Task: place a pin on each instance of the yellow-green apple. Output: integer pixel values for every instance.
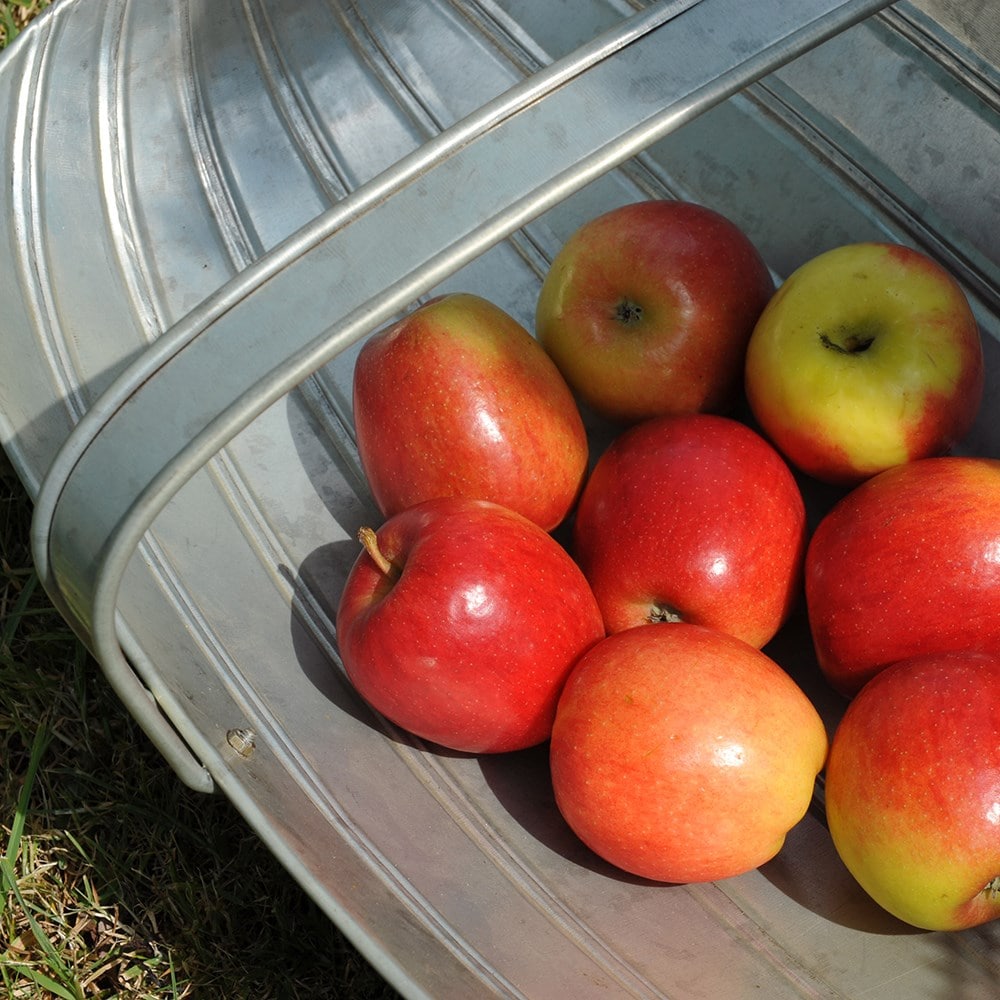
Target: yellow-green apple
(913, 790)
(868, 356)
(692, 518)
(906, 564)
(460, 621)
(683, 754)
(647, 309)
(458, 399)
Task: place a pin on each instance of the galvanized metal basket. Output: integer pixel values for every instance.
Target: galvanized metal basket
(210, 202)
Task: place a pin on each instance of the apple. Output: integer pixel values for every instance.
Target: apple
(906, 564)
(867, 357)
(683, 754)
(458, 399)
(913, 790)
(460, 621)
(647, 309)
(692, 518)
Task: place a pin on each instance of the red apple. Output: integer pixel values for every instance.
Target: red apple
(461, 620)
(906, 564)
(692, 518)
(868, 356)
(913, 790)
(648, 308)
(458, 399)
(683, 754)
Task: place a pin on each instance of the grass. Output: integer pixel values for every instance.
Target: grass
(115, 879)
(15, 14)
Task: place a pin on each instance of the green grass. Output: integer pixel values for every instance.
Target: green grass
(15, 14)
(115, 879)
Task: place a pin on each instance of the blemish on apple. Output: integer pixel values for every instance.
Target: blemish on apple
(733, 755)
(476, 601)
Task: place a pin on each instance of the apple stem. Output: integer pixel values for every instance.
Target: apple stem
(369, 540)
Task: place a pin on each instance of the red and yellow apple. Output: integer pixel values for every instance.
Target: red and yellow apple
(913, 790)
(682, 754)
(692, 518)
(460, 621)
(647, 309)
(906, 564)
(867, 357)
(458, 399)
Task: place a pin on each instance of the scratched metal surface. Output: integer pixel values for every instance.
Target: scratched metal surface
(153, 159)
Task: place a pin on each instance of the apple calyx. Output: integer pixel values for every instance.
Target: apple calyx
(369, 540)
(628, 313)
(992, 890)
(660, 613)
(848, 343)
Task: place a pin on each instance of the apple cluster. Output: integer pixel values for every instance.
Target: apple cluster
(528, 585)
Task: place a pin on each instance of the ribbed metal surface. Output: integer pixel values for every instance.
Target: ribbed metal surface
(157, 156)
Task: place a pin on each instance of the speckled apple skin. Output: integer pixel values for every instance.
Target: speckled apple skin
(697, 513)
(906, 564)
(914, 391)
(470, 645)
(647, 309)
(913, 790)
(458, 399)
(682, 754)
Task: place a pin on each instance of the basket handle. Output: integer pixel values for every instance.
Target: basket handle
(211, 374)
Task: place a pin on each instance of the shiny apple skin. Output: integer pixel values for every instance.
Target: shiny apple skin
(909, 384)
(697, 514)
(458, 399)
(906, 564)
(647, 309)
(913, 790)
(682, 754)
(470, 645)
